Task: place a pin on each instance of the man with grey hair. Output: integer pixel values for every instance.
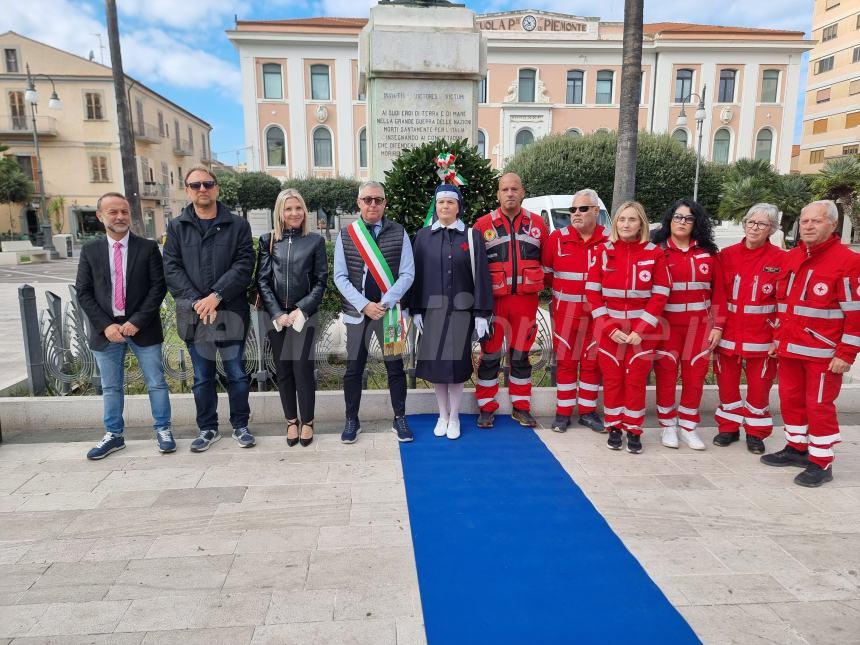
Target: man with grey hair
(373, 270)
(567, 256)
(817, 340)
(751, 269)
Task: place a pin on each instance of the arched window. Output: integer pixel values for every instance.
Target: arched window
(322, 148)
(574, 87)
(722, 142)
(526, 86)
(273, 88)
(680, 135)
(275, 147)
(727, 85)
(604, 87)
(524, 138)
(482, 144)
(764, 144)
(362, 148)
(683, 85)
(573, 132)
(320, 87)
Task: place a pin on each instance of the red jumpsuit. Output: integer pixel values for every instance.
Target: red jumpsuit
(627, 289)
(749, 278)
(695, 306)
(818, 297)
(514, 257)
(569, 257)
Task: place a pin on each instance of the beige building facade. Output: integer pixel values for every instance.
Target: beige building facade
(546, 73)
(831, 116)
(79, 143)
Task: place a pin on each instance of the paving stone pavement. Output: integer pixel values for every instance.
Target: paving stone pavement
(313, 545)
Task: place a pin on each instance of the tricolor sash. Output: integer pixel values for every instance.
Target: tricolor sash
(394, 331)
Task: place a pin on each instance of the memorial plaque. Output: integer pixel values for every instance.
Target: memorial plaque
(409, 112)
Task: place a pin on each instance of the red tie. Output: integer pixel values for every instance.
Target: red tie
(118, 286)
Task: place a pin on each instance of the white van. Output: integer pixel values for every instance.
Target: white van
(555, 210)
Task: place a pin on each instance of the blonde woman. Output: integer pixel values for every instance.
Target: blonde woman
(627, 289)
(291, 277)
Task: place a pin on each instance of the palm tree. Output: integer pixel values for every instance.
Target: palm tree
(839, 180)
(740, 194)
(628, 115)
(751, 168)
(790, 194)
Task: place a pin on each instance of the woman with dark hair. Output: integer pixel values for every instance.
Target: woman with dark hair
(291, 277)
(694, 316)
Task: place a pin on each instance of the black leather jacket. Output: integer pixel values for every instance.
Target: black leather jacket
(295, 273)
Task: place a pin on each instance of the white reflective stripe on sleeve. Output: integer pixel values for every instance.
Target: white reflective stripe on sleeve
(826, 440)
(566, 297)
(755, 347)
(690, 411)
(732, 307)
(547, 270)
(848, 339)
(663, 291)
(763, 422)
(728, 415)
(484, 401)
(519, 381)
(815, 451)
(515, 397)
(759, 309)
(597, 313)
(850, 306)
(566, 387)
(487, 382)
(569, 275)
(589, 386)
(593, 286)
(727, 344)
(815, 312)
(648, 318)
(814, 352)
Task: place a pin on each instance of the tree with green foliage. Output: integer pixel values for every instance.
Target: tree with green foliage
(57, 211)
(15, 187)
(257, 190)
(665, 169)
(742, 168)
(740, 194)
(790, 194)
(228, 188)
(412, 181)
(839, 180)
(328, 193)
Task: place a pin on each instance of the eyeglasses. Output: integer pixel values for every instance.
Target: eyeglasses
(377, 201)
(196, 185)
(683, 219)
(581, 209)
(759, 226)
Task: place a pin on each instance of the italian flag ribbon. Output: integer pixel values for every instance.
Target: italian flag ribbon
(448, 174)
(394, 331)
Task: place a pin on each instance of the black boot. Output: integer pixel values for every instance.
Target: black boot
(814, 476)
(560, 423)
(614, 442)
(724, 439)
(486, 419)
(788, 456)
(634, 443)
(755, 445)
(524, 418)
(592, 420)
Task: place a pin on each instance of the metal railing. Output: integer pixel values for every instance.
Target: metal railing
(182, 148)
(147, 132)
(16, 124)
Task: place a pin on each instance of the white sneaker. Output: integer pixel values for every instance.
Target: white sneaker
(691, 438)
(454, 429)
(670, 437)
(441, 427)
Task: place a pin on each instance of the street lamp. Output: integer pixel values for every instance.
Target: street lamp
(32, 97)
(700, 119)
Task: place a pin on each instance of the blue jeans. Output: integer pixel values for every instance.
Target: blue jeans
(111, 362)
(204, 388)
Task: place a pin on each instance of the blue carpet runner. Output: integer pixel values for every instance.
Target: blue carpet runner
(509, 549)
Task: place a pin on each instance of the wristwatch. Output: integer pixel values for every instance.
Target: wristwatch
(218, 296)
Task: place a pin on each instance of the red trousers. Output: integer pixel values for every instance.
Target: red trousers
(807, 395)
(685, 349)
(577, 374)
(625, 370)
(754, 412)
(514, 323)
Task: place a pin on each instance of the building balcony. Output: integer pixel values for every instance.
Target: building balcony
(182, 148)
(152, 190)
(21, 127)
(147, 133)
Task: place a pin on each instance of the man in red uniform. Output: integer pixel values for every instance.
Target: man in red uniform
(817, 340)
(567, 257)
(513, 237)
(750, 269)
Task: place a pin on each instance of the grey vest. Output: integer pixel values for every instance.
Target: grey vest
(390, 242)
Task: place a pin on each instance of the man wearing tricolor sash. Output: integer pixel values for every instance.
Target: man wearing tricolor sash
(373, 270)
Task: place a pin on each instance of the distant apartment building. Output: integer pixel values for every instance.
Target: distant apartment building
(79, 142)
(546, 73)
(831, 118)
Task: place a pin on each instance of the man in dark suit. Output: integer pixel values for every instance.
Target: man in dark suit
(120, 286)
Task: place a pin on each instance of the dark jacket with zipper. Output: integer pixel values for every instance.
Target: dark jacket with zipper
(294, 274)
(219, 260)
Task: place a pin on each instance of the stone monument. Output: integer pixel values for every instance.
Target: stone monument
(421, 64)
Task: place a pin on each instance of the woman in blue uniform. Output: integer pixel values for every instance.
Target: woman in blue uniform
(451, 297)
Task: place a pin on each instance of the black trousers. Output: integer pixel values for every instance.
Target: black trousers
(294, 360)
(358, 338)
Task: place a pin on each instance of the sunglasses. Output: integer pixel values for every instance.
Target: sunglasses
(581, 209)
(196, 185)
(683, 219)
(377, 201)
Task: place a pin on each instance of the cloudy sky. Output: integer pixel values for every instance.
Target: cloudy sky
(180, 50)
